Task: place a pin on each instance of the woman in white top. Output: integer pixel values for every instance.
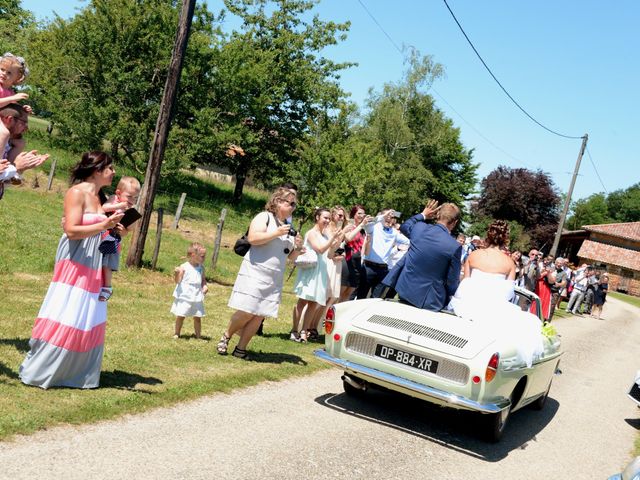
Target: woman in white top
(334, 269)
(258, 288)
(311, 283)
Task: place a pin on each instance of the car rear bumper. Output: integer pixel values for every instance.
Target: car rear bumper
(415, 389)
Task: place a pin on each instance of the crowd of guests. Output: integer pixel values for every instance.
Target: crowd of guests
(345, 255)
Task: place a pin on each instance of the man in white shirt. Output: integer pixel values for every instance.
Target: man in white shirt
(383, 238)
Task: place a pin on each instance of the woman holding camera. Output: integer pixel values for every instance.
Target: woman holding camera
(334, 269)
(311, 285)
(258, 288)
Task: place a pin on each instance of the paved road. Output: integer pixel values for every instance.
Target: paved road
(307, 428)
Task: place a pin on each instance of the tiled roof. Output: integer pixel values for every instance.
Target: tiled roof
(610, 254)
(630, 231)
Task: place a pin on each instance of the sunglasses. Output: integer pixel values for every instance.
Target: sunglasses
(291, 204)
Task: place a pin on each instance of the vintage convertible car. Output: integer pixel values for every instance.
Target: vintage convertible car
(438, 357)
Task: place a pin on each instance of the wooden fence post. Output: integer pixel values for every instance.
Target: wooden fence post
(179, 211)
(156, 250)
(51, 173)
(216, 247)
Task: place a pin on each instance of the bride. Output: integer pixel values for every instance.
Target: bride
(485, 293)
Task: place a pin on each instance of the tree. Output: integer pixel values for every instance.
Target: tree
(590, 211)
(16, 23)
(269, 82)
(624, 205)
(424, 154)
(101, 73)
(518, 194)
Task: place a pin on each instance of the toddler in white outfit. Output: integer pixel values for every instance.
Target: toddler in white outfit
(190, 289)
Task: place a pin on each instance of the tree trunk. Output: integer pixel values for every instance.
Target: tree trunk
(152, 176)
(237, 192)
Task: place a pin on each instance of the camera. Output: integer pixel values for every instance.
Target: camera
(292, 232)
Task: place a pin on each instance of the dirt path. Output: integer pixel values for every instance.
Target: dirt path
(307, 428)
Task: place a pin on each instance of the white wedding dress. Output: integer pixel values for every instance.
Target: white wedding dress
(485, 299)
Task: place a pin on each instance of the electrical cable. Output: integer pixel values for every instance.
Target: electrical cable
(597, 174)
(498, 82)
(439, 95)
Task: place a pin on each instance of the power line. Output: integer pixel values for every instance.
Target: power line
(500, 84)
(480, 133)
(380, 27)
(437, 93)
(594, 167)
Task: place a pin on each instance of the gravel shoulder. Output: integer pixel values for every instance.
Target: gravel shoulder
(307, 428)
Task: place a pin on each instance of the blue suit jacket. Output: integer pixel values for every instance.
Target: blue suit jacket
(429, 274)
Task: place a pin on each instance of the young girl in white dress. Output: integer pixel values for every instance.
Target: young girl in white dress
(190, 290)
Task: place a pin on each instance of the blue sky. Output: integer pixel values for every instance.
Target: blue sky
(573, 65)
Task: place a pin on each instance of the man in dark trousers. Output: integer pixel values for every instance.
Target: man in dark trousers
(429, 274)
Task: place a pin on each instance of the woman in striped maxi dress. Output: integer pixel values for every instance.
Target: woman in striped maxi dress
(67, 340)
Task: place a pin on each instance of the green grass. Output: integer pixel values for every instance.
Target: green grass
(631, 300)
(143, 366)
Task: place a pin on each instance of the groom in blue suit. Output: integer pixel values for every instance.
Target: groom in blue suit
(429, 274)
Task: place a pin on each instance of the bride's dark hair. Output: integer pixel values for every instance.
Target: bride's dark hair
(498, 234)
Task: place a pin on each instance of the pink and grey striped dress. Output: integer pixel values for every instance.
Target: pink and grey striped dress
(67, 341)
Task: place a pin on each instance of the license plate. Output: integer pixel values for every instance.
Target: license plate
(406, 358)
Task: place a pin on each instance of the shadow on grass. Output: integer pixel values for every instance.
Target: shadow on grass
(274, 357)
(21, 344)
(126, 381)
(7, 372)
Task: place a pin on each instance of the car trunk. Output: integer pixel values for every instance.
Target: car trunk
(436, 331)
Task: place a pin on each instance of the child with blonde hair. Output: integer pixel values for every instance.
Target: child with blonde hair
(13, 71)
(190, 290)
(125, 196)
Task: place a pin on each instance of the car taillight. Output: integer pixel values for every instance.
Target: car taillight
(329, 320)
(492, 367)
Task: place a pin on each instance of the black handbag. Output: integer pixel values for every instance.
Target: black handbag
(242, 245)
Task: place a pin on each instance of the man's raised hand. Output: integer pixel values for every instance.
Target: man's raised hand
(430, 209)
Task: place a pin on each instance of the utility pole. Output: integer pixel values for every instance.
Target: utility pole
(152, 175)
(565, 210)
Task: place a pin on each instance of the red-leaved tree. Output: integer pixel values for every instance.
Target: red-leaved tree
(521, 195)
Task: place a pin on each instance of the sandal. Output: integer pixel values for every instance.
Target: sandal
(303, 336)
(240, 353)
(312, 334)
(294, 336)
(105, 294)
(223, 344)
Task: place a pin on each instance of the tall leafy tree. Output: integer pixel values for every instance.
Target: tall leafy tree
(269, 81)
(424, 155)
(101, 73)
(521, 195)
(15, 24)
(589, 211)
(624, 205)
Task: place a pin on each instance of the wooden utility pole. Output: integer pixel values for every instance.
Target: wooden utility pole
(563, 218)
(152, 176)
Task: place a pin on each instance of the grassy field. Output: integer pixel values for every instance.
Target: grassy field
(143, 366)
(635, 301)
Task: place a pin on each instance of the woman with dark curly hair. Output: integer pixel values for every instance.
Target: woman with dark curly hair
(484, 295)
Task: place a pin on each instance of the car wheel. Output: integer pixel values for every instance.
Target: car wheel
(349, 389)
(539, 403)
(496, 423)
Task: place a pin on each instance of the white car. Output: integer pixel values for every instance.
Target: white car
(438, 357)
